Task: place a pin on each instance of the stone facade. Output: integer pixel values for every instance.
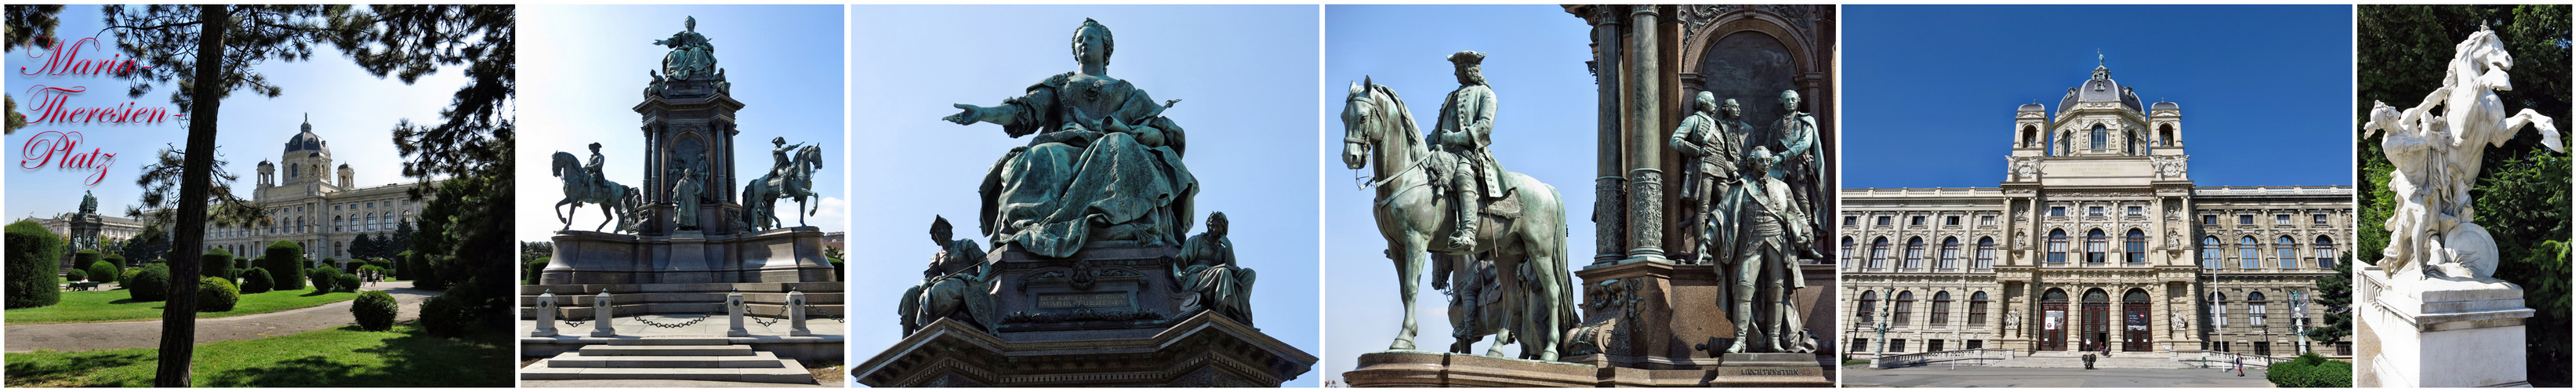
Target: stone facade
(316, 204)
(2097, 236)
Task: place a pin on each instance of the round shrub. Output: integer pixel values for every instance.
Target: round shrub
(216, 294)
(536, 267)
(126, 277)
(103, 271)
(85, 257)
(285, 262)
(76, 276)
(445, 315)
(33, 254)
(375, 310)
(322, 278)
(256, 280)
(216, 262)
(348, 283)
(116, 259)
(2310, 371)
(151, 283)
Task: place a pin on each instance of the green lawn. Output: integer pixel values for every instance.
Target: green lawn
(105, 306)
(338, 357)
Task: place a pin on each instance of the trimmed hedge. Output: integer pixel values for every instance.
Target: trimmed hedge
(151, 284)
(32, 279)
(217, 262)
(284, 261)
(2310, 371)
(256, 280)
(348, 283)
(126, 277)
(82, 259)
(216, 294)
(536, 267)
(103, 272)
(446, 315)
(76, 276)
(322, 278)
(118, 259)
(375, 310)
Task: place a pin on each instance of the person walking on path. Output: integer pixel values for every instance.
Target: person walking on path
(2240, 366)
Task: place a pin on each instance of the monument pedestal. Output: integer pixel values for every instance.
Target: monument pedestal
(1109, 315)
(1205, 350)
(2441, 333)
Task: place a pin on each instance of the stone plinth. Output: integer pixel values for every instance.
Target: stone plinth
(788, 255)
(1205, 350)
(2440, 333)
(1432, 369)
(1770, 370)
(1676, 316)
(1110, 289)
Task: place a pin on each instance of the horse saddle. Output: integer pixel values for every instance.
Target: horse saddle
(1507, 207)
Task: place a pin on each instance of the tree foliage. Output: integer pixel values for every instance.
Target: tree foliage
(2522, 194)
(29, 25)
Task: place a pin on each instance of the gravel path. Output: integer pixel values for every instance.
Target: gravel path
(147, 334)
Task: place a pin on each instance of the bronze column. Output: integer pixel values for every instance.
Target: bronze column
(1644, 150)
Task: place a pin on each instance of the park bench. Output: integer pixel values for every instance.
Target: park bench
(84, 286)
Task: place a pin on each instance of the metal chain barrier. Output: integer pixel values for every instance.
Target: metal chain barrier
(682, 324)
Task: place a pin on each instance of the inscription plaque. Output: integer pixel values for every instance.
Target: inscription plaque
(1085, 300)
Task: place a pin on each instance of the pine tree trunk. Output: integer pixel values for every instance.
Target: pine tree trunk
(179, 314)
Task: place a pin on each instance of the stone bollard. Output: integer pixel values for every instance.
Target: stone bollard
(545, 315)
(733, 309)
(602, 314)
(796, 314)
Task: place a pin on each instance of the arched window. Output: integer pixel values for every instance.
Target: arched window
(1868, 307)
(2101, 139)
(1878, 253)
(339, 249)
(2325, 252)
(1914, 253)
(1950, 253)
(2137, 247)
(1985, 253)
(2097, 247)
(1977, 310)
(2029, 136)
(1941, 309)
(2218, 310)
(2255, 309)
(2166, 133)
(336, 224)
(2246, 256)
(1848, 253)
(1904, 310)
(2056, 246)
(2209, 252)
(2289, 252)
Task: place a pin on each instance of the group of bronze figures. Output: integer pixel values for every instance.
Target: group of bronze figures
(1495, 240)
(1103, 167)
(790, 176)
(1750, 205)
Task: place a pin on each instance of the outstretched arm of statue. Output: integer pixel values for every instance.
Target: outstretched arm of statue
(971, 114)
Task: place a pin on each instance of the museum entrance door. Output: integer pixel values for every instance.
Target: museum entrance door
(2135, 322)
(2097, 320)
(2052, 325)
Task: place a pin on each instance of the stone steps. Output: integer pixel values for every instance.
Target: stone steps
(665, 350)
(672, 358)
(577, 359)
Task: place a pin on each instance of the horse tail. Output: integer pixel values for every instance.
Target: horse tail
(1564, 311)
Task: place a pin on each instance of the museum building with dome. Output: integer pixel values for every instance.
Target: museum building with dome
(2096, 240)
(316, 204)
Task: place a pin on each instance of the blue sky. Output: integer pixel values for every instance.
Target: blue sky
(1930, 91)
(586, 66)
(1544, 127)
(1247, 78)
(351, 109)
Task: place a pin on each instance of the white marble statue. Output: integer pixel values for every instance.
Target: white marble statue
(2433, 234)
